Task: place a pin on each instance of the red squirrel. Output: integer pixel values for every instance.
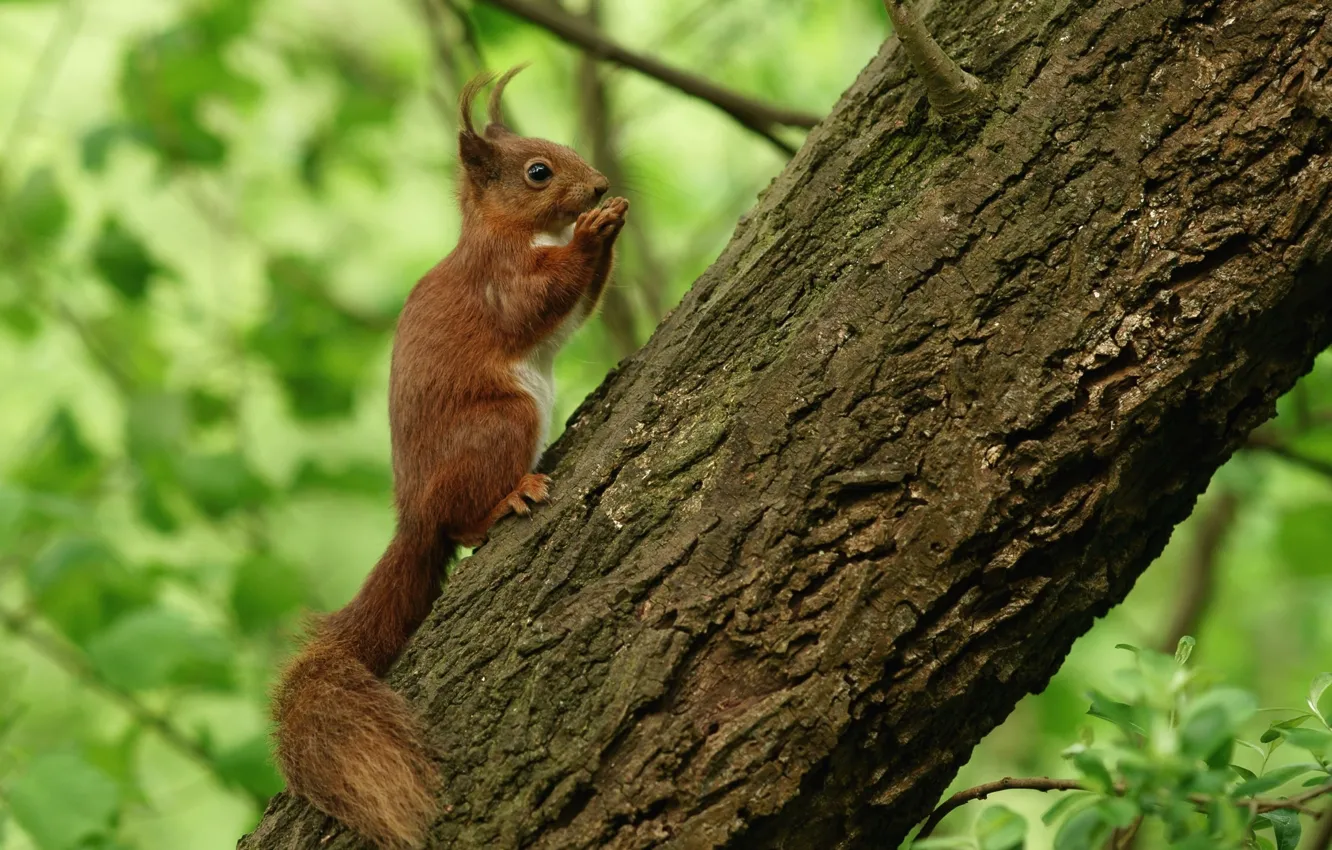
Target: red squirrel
(470, 400)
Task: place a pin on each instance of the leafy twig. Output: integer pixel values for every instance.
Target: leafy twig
(1259, 805)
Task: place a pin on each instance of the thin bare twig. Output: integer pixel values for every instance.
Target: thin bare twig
(470, 39)
(756, 115)
(447, 42)
(980, 792)
(444, 63)
(1277, 447)
(1200, 569)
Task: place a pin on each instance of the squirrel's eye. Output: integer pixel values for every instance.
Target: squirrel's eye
(538, 173)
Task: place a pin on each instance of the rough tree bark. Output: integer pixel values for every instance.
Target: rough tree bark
(935, 408)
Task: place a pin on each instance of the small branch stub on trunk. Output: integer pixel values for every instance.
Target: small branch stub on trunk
(951, 90)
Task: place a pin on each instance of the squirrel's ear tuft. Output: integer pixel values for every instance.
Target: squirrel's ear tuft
(494, 110)
(465, 99)
(475, 151)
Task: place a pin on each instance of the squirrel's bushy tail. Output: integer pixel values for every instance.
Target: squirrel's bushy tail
(345, 740)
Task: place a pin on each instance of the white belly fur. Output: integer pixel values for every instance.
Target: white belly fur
(535, 373)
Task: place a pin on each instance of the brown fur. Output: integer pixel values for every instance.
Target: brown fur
(465, 431)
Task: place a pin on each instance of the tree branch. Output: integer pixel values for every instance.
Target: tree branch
(980, 792)
(951, 90)
(436, 27)
(1279, 448)
(756, 115)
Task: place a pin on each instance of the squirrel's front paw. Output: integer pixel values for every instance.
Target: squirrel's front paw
(604, 222)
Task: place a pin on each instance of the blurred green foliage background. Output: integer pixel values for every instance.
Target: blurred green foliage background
(211, 213)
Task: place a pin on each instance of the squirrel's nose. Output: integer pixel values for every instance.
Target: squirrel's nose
(600, 187)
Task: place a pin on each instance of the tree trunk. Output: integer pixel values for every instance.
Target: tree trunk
(936, 407)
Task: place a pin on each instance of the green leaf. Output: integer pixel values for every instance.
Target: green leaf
(1000, 828)
(352, 478)
(1212, 718)
(1316, 691)
(1285, 828)
(154, 506)
(209, 408)
(155, 647)
(167, 80)
(80, 584)
(1118, 811)
(948, 842)
(1271, 779)
(265, 591)
(155, 425)
(248, 766)
(1121, 714)
(63, 802)
(1094, 769)
(95, 147)
(23, 321)
(1219, 759)
(319, 352)
(38, 211)
(221, 483)
(122, 260)
(1071, 802)
(130, 339)
(116, 757)
(1274, 731)
(61, 461)
(1316, 741)
(1184, 649)
(1086, 830)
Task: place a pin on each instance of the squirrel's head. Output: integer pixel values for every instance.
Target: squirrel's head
(518, 181)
